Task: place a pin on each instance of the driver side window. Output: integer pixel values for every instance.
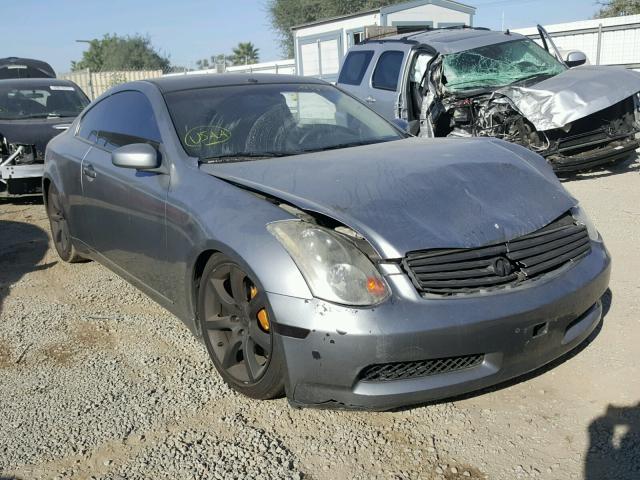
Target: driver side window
(120, 119)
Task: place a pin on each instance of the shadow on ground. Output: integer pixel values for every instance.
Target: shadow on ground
(22, 247)
(614, 445)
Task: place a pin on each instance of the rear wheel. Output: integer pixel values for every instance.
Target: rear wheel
(235, 323)
(60, 228)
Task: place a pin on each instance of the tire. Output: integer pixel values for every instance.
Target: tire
(228, 305)
(60, 232)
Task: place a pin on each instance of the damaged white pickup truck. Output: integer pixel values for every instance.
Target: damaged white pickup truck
(468, 82)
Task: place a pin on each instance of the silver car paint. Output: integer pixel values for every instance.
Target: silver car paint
(416, 194)
(552, 103)
(575, 93)
(175, 217)
(123, 216)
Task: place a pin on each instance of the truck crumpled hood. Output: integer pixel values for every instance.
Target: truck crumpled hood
(415, 194)
(573, 94)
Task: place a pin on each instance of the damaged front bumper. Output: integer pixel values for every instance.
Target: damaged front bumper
(20, 171)
(592, 155)
(412, 349)
(575, 120)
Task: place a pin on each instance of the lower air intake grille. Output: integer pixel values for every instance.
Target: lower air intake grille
(500, 265)
(420, 368)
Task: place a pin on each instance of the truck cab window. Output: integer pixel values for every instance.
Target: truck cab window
(385, 76)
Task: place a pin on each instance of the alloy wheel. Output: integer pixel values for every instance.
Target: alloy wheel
(236, 322)
(59, 225)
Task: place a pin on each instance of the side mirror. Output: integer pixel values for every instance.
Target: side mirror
(140, 156)
(575, 58)
(402, 124)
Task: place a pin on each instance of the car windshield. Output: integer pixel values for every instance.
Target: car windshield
(234, 123)
(498, 65)
(42, 101)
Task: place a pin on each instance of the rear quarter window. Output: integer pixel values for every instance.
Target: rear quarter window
(355, 66)
(385, 76)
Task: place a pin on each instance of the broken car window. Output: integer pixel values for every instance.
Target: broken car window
(498, 65)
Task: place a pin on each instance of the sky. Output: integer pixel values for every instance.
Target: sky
(187, 30)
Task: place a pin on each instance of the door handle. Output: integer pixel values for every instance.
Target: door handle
(370, 99)
(88, 170)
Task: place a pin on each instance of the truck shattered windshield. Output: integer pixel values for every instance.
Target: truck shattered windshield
(498, 65)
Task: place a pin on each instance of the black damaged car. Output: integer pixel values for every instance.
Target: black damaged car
(32, 112)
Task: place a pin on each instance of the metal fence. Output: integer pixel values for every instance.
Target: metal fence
(95, 84)
(605, 41)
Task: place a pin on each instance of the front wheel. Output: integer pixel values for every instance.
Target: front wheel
(237, 331)
(60, 232)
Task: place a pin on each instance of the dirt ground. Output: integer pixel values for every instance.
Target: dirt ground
(96, 381)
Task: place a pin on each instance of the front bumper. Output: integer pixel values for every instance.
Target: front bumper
(600, 155)
(18, 180)
(327, 347)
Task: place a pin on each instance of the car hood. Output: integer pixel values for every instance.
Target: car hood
(36, 131)
(573, 94)
(415, 194)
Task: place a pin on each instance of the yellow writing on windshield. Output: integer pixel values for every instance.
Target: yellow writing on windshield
(205, 136)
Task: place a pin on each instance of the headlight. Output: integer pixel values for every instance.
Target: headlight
(333, 267)
(581, 216)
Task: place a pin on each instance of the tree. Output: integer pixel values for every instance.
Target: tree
(113, 53)
(245, 54)
(616, 8)
(285, 14)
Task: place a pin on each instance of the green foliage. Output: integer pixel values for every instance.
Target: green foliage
(245, 54)
(285, 14)
(114, 53)
(616, 8)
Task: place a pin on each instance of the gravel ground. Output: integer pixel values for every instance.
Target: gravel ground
(96, 381)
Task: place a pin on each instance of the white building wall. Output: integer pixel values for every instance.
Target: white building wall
(434, 13)
(619, 39)
(344, 24)
(319, 49)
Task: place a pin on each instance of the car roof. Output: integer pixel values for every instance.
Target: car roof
(34, 82)
(35, 68)
(451, 40)
(175, 83)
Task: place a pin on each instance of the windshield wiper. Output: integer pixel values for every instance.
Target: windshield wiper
(342, 145)
(240, 156)
(535, 76)
(42, 115)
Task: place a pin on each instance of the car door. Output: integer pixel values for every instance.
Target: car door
(383, 95)
(549, 45)
(127, 207)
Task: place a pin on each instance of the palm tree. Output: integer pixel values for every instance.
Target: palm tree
(245, 54)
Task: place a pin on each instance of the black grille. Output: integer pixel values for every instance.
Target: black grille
(504, 264)
(420, 368)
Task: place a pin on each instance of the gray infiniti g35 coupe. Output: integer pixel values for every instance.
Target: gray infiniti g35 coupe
(319, 251)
